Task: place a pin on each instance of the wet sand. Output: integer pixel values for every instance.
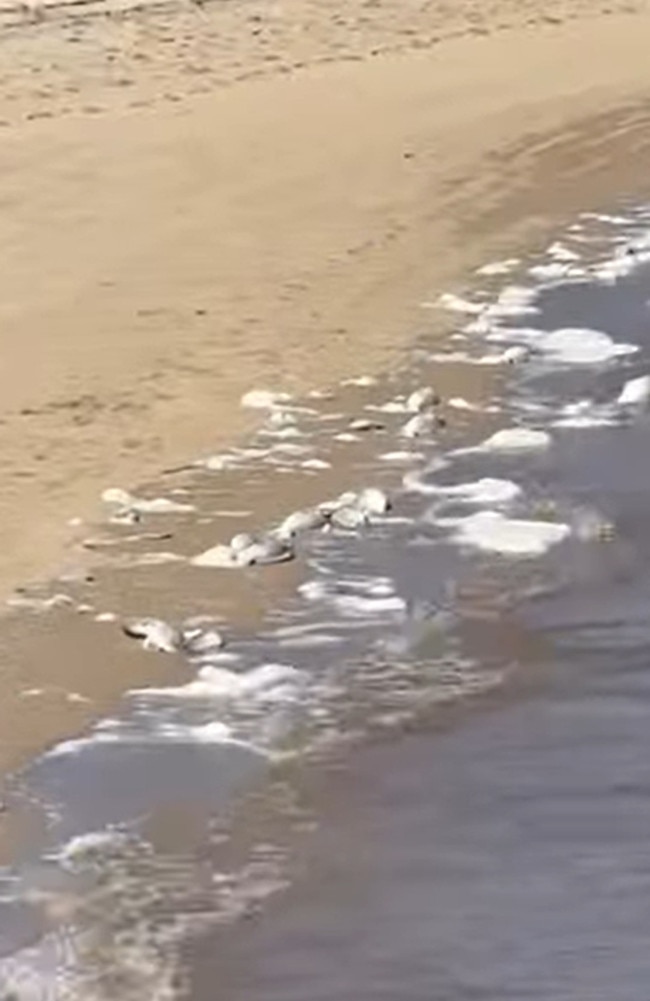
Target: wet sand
(198, 202)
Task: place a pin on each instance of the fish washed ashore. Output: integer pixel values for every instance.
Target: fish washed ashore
(143, 293)
(330, 564)
(402, 595)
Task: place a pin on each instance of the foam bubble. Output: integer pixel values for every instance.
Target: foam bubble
(582, 346)
(499, 267)
(458, 305)
(513, 300)
(401, 457)
(488, 490)
(516, 440)
(635, 392)
(263, 399)
(491, 531)
(561, 252)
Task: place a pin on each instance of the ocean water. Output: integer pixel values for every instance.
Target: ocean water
(422, 773)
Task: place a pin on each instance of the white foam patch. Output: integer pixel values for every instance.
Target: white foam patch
(217, 463)
(397, 406)
(609, 218)
(360, 380)
(263, 399)
(555, 271)
(635, 392)
(412, 481)
(499, 267)
(220, 684)
(458, 305)
(488, 490)
(460, 403)
(83, 848)
(401, 457)
(315, 464)
(111, 734)
(282, 432)
(582, 346)
(491, 531)
(364, 598)
(465, 358)
(516, 440)
(529, 337)
(308, 641)
(560, 252)
(513, 300)
(584, 414)
(156, 559)
(631, 255)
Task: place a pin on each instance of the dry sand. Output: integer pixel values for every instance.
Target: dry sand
(199, 200)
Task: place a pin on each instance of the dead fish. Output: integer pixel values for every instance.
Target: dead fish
(422, 399)
(308, 520)
(120, 540)
(515, 354)
(372, 500)
(241, 541)
(199, 642)
(420, 425)
(125, 516)
(155, 634)
(365, 424)
(128, 508)
(349, 516)
(247, 550)
(355, 510)
(268, 549)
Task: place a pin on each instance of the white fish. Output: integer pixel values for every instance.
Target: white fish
(199, 642)
(241, 541)
(372, 500)
(155, 634)
(422, 399)
(365, 424)
(220, 556)
(420, 425)
(128, 505)
(267, 549)
(160, 505)
(306, 520)
(514, 354)
(349, 516)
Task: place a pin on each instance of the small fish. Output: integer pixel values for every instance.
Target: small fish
(155, 634)
(422, 399)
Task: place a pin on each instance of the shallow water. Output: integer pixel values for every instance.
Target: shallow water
(438, 788)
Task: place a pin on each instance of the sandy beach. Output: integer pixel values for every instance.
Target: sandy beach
(201, 199)
(198, 201)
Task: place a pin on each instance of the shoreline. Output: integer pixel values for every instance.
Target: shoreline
(170, 281)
